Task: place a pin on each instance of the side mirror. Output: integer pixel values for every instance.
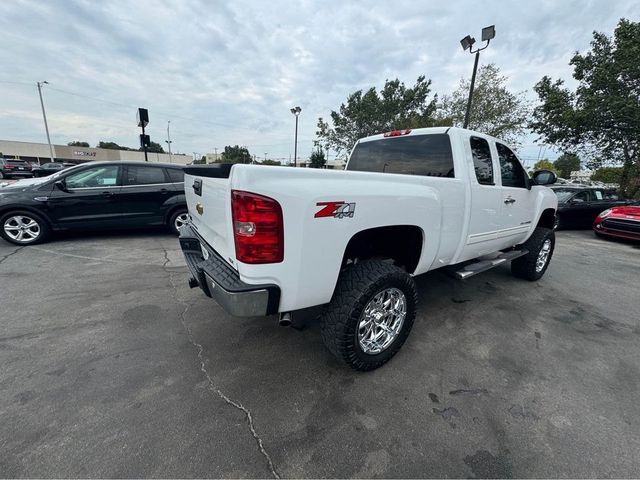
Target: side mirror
(544, 177)
(60, 185)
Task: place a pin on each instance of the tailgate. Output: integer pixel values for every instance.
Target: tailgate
(209, 202)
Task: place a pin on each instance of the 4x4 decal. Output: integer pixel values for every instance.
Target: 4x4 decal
(339, 209)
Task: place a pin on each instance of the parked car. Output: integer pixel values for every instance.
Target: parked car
(10, 168)
(622, 222)
(52, 167)
(578, 206)
(96, 195)
(276, 240)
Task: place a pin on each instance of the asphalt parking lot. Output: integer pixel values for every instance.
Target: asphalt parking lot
(113, 367)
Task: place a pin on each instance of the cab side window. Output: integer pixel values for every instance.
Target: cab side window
(96, 177)
(583, 196)
(513, 175)
(482, 163)
(175, 175)
(144, 175)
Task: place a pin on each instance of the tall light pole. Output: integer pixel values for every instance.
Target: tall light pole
(488, 33)
(168, 141)
(296, 111)
(44, 116)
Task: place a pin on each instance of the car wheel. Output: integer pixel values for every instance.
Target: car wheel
(540, 248)
(1, 175)
(178, 219)
(24, 228)
(370, 315)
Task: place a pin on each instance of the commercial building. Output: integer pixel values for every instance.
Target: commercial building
(39, 153)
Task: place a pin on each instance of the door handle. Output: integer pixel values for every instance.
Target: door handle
(107, 194)
(509, 200)
(164, 191)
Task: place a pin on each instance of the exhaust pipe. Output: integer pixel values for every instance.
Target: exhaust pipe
(285, 320)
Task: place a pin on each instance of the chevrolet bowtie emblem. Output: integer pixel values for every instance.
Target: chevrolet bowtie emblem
(199, 208)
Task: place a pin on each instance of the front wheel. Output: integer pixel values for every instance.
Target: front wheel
(24, 228)
(540, 246)
(370, 315)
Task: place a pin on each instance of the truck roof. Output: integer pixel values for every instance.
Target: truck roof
(424, 131)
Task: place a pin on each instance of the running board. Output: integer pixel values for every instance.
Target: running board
(484, 265)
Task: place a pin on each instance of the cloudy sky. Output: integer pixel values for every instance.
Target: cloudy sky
(228, 72)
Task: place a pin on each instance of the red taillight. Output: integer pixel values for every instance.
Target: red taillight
(257, 228)
(397, 133)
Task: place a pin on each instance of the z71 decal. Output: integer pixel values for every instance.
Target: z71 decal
(339, 209)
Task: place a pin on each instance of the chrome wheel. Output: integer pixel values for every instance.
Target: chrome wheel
(381, 321)
(543, 256)
(181, 220)
(22, 229)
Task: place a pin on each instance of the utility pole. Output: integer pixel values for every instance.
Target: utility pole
(488, 33)
(168, 140)
(265, 156)
(296, 111)
(215, 149)
(44, 116)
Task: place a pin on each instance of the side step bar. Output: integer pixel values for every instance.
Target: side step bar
(484, 265)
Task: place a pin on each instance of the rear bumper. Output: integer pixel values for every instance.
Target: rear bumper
(219, 281)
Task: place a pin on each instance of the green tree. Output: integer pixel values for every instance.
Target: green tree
(200, 161)
(317, 159)
(153, 148)
(235, 154)
(601, 118)
(544, 164)
(494, 109)
(607, 175)
(567, 163)
(111, 146)
(270, 162)
(394, 107)
(79, 144)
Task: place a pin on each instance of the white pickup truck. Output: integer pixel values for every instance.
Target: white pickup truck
(268, 240)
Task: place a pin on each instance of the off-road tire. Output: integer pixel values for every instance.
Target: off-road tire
(525, 266)
(45, 229)
(356, 287)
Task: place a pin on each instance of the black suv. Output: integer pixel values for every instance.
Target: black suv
(49, 168)
(10, 168)
(96, 195)
(578, 205)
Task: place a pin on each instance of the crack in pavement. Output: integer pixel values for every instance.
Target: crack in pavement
(211, 384)
(11, 254)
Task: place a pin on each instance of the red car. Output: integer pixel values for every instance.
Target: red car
(623, 222)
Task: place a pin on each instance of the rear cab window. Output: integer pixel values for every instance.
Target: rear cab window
(482, 163)
(427, 155)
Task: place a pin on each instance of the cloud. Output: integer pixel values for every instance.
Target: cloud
(227, 73)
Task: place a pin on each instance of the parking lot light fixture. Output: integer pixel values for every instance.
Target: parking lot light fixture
(44, 116)
(488, 34)
(296, 111)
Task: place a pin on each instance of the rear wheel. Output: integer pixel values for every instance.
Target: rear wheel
(24, 228)
(178, 219)
(540, 247)
(370, 315)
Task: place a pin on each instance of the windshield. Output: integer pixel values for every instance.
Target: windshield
(428, 155)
